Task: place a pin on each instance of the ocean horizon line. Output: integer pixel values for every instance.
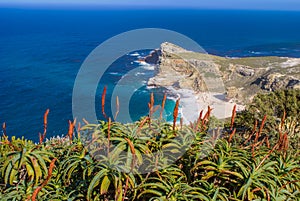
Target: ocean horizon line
(97, 7)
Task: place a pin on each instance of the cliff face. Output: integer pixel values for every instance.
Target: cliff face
(183, 69)
(239, 78)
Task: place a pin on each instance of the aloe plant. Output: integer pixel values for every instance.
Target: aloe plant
(154, 160)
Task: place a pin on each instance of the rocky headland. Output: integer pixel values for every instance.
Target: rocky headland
(202, 79)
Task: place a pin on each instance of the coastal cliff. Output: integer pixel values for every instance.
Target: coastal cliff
(239, 79)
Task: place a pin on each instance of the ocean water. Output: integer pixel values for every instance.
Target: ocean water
(42, 50)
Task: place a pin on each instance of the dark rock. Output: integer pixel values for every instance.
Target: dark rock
(153, 58)
(275, 81)
(293, 83)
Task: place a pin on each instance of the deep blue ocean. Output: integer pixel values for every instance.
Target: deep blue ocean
(42, 50)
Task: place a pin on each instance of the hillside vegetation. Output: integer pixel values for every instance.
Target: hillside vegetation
(255, 157)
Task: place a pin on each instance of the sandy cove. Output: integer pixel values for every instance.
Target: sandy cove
(192, 103)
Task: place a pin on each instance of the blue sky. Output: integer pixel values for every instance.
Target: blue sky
(207, 4)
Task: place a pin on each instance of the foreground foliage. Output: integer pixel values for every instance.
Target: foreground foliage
(153, 160)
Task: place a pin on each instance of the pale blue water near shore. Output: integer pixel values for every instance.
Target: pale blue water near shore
(41, 52)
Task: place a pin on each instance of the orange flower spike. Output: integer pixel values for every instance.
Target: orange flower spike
(45, 125)
(78, 130)
(132, 150)
(231, 135)
(142, 123)
(163, 105)
(151, 104)
(282, 120)
(233, 117)
(285, 142)
(254, 126)
(4, 130)
(103, 102)
(267, 142)
(117, 107)
(175, 113)
(256, 137)
(71, 130)
(38, 189)
(200, 115)
(85, 121)
(152, 100)
(74, 122)
(45, 118)
(262, 124)
(205, 118)
(199, 120)
(209, 109)
(40, 138)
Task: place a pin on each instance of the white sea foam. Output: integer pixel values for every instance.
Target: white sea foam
(254, 52)
(115, 73)
(151, 87)
(142, 63)
(139, 73)
(145, 65)
(149, 67)
(135, 54)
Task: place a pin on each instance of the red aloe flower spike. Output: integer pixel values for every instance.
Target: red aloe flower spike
(199, 120)
(151, 104)
(118, 108)
(163, 106)
(45, 125)
(231, 135)
(267, 142)
(207, 116)
(85, 121)
(103, 102)
(175, 114)
(282, 120)
(38, 189)
(261, 128)
(233, 116)
(46, 118)
(78, 130)
(71, 129)
(4, 130)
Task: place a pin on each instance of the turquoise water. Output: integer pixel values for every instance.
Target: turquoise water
(41, 52)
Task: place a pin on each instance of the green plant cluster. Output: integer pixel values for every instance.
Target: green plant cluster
(282, 109)
(150, 160)
(228, 172)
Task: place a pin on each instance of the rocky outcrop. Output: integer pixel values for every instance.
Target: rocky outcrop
(245, 70)
(238, 78)
(275, 81)
(184, 69)
(153, 57)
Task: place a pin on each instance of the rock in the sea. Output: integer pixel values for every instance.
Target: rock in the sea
(154, 56)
